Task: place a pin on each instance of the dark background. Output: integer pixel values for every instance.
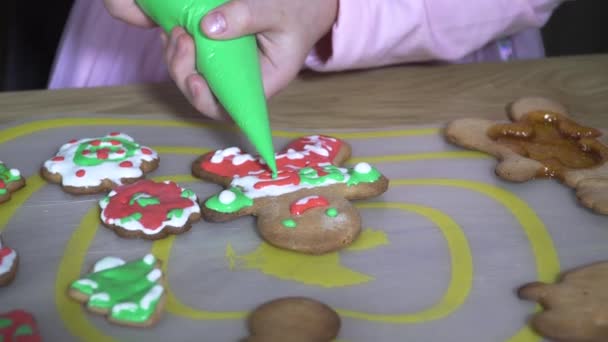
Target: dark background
(29, 35)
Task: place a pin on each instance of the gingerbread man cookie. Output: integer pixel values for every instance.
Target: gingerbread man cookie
(94, 165)
(294, 319)
(130, 294)
(10, 181)
(148, 209)
(576, 308)
(18, 326)
(541, 141)
(8, 264)
(306, 208)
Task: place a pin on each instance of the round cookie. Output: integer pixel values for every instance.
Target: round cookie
(18, 326)
(10, 181)
(9, 260)
(94, 165)
(293, 319)
(150, 210)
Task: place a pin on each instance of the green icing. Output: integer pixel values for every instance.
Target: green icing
(24, 330)
(132, 217)
(311, 176)
(91, 159)
(3, 191)
(175, 213)
(121, 289)
(289, 223)
(331, 212)
(241, 201)
(5, 174)
(5, 323)
(188, 193)
(356, 177)
(143, 200)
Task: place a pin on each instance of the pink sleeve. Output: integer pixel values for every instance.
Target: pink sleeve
(370, 33)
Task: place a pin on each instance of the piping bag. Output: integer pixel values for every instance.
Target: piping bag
(230, 67)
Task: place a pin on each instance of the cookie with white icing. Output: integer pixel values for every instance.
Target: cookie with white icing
(10, 181)
(94, 165)
(127, 293)
(307, 207)
(8, 264)
(149, 210)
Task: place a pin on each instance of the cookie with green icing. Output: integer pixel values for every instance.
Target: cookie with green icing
(307, 207)
(10, 181)
(127, 293)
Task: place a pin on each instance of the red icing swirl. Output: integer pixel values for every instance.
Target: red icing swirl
(153, 216)
(300, 206)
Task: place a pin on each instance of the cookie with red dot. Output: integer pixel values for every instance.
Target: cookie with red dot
(8, 264)
(307, 207)
(10, 181)
(149, 210)
(94, 165)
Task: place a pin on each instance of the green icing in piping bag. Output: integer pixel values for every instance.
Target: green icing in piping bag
(230, 67)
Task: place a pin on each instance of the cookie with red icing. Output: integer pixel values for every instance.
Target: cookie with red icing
(18, 326)
(307, 207)
(8, 264)
(10, 181)
(150, 210)
(94, 165)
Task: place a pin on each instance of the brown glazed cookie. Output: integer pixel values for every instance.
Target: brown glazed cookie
(149, 210)
(293, 319)
(94, 165)
(541, 141)
(306, 208)
(575, 308)
(127, 293)
(10, 181)
(9, 261)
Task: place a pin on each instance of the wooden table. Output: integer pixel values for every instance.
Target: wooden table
(377, 98)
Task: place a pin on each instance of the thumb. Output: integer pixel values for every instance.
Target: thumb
(237, 18)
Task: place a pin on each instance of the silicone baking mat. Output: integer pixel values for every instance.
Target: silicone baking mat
(442, 252)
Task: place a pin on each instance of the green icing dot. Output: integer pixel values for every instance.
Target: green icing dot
(331, 212)
(132, 217)
(356, 177)
(3, 191)
(289, 223)
(24, 330)
(5, 323)
(241, 201)
(188, 193)
(175, 213)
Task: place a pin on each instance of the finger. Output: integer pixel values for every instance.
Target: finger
(277, 77)
(128, 11)
(535, 291)
(181, 61)
(203, 99)
(171, 48)
(239, 18)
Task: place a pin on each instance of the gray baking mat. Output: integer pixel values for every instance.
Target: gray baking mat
(443, 251)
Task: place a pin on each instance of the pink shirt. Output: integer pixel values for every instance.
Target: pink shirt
(97, 50)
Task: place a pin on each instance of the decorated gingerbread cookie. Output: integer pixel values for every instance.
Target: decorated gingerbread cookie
(576, 308)
(148, 209)
(541, 141)
(18, 326)
(130, 294)
(10, 181)
(295, 319)
(8, 264)
(306, 207)
(94, 165)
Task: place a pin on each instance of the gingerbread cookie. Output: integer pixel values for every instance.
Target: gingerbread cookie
(10, 181)
(306, 208)
(148, 209)
(541, 141)
(8, 264)
(293, 319)
(576, 308)
(94, 165)
(130, 294)
(18, 326)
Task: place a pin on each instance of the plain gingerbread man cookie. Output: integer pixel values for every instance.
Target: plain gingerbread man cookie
(576, 308)
(541, 141)
(307, 207)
